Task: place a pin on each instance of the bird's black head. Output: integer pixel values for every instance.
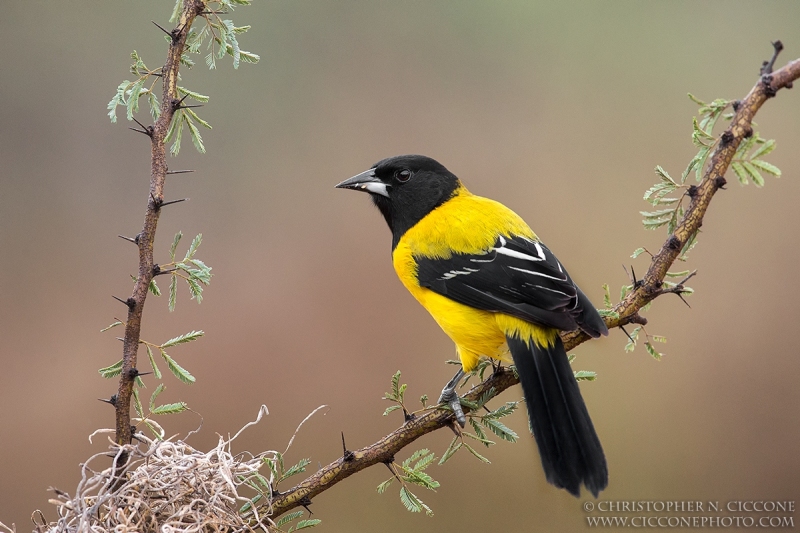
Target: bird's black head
(405, 188)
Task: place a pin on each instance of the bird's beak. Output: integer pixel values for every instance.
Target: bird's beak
(367, 182)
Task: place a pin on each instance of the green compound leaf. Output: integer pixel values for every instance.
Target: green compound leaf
(112, 371)
(177, 370)
(183, 339)
(413, 503)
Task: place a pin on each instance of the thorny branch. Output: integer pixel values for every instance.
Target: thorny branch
(649, 288)
(144, 240)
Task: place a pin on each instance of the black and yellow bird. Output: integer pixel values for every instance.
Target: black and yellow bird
(489, 282)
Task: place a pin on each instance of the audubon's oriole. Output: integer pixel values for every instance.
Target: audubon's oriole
(489, 282)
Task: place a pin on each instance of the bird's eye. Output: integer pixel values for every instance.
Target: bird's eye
(404, 175)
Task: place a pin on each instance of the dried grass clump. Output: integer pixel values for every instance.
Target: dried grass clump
(168, 487)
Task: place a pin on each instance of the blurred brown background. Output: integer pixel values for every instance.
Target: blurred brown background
(561, 111)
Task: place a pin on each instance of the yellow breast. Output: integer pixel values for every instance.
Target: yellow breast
(464, 224)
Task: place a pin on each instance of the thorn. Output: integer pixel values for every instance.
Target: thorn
(163, 204)
(347, 455)
(177, 104)
(139, 123)
(408, 417)
(679, 288)
(156, 269)
(160, 27)
(304, 502)
(139, 131)
(134, 241)
(736, 105)
(748, 132)
(720, 182)
(130, 302)
(173, 34)
(133, 373)
(692, 192)
(680, 295)
(111, 401)
(388, 464)
(674, 243)
(627, 334)
(179, 171)
(147, 130)
(133, 433)
(162, 272)
(120, 339)
(635, 282)
(189, 106)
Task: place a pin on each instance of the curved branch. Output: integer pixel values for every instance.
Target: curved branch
(644, 292)
(145, 239)
(700, 195)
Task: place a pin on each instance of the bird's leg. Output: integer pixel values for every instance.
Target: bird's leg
(450, 397)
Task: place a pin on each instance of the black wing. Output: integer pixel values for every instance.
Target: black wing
(518, 276)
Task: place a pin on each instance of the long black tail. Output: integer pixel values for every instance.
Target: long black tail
(570, 450)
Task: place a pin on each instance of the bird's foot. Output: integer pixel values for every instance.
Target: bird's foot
(450, 397)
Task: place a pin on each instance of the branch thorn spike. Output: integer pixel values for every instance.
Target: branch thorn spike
(304, 502)
(347, 455)
(625, 331)
(130, 302)
(147, 130)
(178, 104)
(160, 27)
(111, 401)
(172, 34)
(163, 204)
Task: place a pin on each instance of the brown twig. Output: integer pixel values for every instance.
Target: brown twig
(649, 288)
(144, 241)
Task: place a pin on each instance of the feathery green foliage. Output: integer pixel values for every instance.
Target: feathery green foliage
(210, 34)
